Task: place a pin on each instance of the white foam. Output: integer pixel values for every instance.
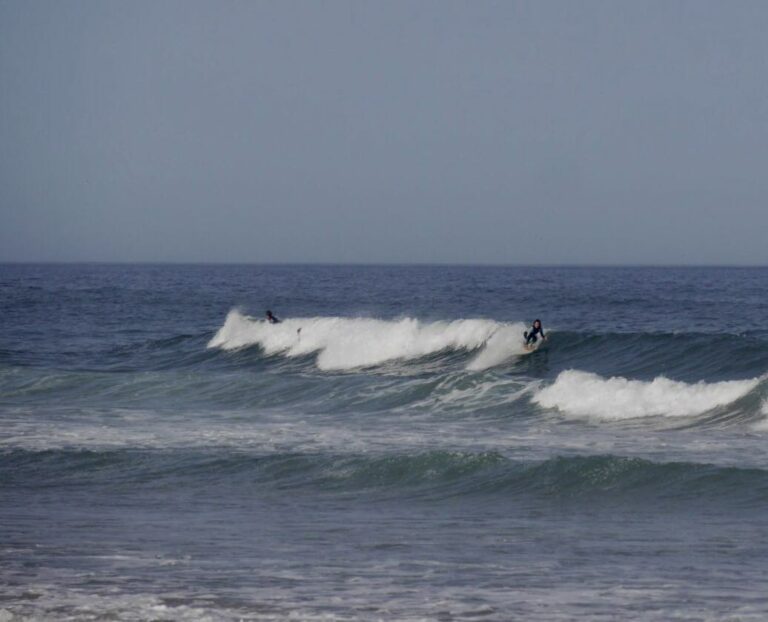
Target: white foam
(582, 394)
(347, 343)
(762, 426)
(54, 602)
(505, 342)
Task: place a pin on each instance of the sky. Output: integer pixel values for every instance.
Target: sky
(541, 132)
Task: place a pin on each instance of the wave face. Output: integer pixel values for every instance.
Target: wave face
(435, 474)
(382, 454)
(349, 343)
(583, 394)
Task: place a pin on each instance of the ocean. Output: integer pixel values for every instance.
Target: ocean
(388, 451)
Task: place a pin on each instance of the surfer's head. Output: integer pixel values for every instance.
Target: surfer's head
(537, 323)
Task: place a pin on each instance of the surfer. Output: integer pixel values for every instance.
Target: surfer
(271, 318)
(531, 335)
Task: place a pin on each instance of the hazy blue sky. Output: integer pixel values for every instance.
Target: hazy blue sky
(489, 132)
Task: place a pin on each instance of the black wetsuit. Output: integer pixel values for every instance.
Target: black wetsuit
(272, 319)
(530, 336)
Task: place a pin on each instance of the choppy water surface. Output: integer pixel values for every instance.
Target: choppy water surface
(387, 452)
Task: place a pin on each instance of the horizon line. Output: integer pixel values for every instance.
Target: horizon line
(372, 264)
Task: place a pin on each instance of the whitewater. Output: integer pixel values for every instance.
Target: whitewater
(389, 450)
(347, 343)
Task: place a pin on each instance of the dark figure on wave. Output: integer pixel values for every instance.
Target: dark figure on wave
(531, 336)
(271, 318)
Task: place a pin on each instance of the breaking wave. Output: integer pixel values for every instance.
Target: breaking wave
(349, 343)
(583, 394)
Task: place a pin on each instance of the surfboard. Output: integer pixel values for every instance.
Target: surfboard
(527, 349)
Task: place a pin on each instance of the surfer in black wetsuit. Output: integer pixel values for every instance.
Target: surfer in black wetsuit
(531, 335)
(271, 318)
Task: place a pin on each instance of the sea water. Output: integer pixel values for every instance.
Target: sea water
(387, 452)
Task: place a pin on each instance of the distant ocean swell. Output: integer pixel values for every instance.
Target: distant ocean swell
(429, 474)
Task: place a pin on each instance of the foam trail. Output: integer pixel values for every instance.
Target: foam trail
(582, 394)
(347, 343)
